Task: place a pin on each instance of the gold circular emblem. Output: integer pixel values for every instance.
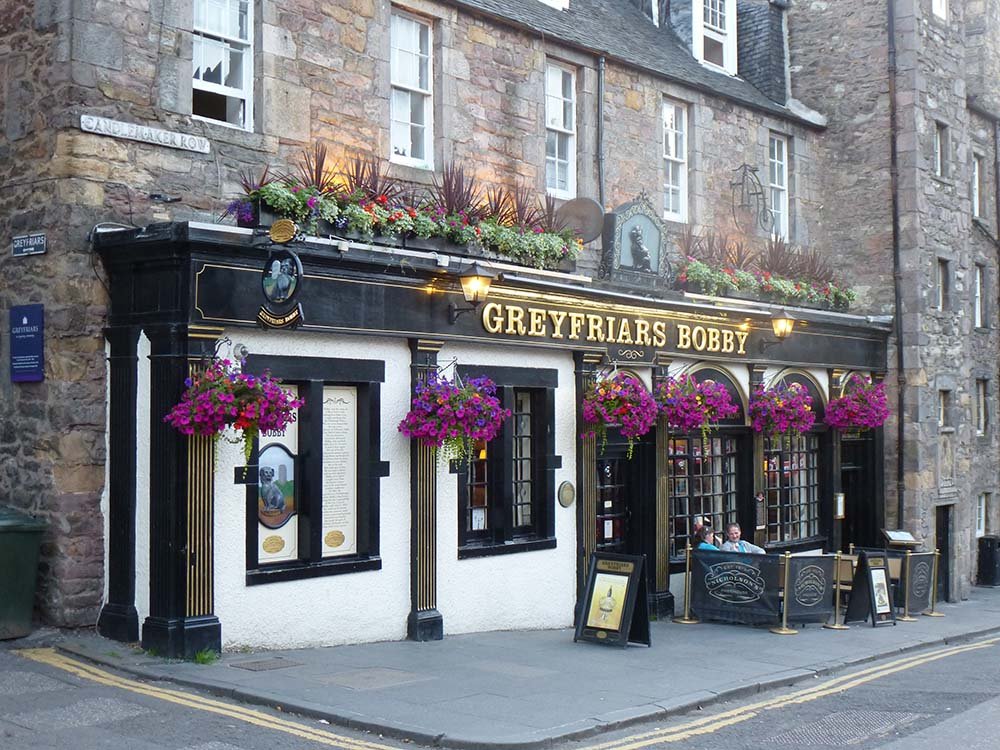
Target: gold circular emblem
(566, 494)
(602, 634)
(273, 543)
(282, 231)
(334, 539)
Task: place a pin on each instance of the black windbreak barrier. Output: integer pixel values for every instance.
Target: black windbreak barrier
(810, 588)
(736, 587)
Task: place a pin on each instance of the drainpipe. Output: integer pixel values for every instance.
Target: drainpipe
(600, 129)
(897, 274)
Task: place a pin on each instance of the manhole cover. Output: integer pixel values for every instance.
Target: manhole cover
(264, 665)
(846, 728)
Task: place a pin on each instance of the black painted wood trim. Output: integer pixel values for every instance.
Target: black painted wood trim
(508, 548)
(327, 567)
(517, 377)
(329, 370)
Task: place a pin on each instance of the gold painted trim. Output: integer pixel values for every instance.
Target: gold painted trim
(700, 365)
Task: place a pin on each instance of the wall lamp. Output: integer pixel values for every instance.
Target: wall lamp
(476, 282)
(782, 323)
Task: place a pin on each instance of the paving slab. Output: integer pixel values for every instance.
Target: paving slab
(529, 689)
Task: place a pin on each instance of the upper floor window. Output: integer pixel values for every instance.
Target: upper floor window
(222, 55)
(777, 174)
(944, 410)
(940, 8)
(675, 168)
(412, 128)
(977, 186)
(982, 406)
(978, 300)
(982, 507)
(714, 34)
(942, 150)
(942, 284)
(560, 131)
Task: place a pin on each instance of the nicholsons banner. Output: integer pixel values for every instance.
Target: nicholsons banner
(810, 594)
(735, 587)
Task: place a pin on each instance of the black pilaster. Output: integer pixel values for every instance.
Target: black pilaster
(661, 602)
(424, 622)
(180, 622)
(119, 619)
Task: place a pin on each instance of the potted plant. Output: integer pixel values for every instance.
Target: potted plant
(246, 207)
(619, 401)
(454, 415)
(687, 404)
(863, 406)
(781, 411)
(223, 396)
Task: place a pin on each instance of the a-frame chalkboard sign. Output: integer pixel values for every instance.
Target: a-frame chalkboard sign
(615, 607)
(871, 592)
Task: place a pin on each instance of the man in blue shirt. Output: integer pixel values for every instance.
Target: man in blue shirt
(735, 544)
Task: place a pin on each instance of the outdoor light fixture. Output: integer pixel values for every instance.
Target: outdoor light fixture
(476, 282)
(782, 323)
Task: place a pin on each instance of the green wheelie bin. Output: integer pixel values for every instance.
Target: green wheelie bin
(20, 539)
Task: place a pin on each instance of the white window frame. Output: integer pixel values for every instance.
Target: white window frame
(982, 506)
(552, 125)
(941, 149)
(944, 403)
(940, 8)
(243, 93)
(675, 159)
(977, 186)
(982, 406)
(978, 300)
(723, 30)
(427, 161)
(777, 183)
(942, 282)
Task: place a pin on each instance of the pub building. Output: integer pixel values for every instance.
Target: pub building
(381, 539)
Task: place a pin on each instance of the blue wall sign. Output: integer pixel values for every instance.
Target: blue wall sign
(27, 343)
(29, 244)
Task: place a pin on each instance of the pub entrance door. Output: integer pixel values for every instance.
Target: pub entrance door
(857, 481)
(626, 497)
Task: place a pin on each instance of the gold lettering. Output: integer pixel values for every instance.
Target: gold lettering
(576, 324)
(713, 339)
(698, 338)
(558, 317)
(611, 329)
(642, 333)
(515, 321)
(595, 328)
(741, 339)
(659, 333)
(728, 341)
(493, 317)
(683, 336)
(537, 325)
(624, 332)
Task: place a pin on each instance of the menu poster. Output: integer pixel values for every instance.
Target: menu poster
(277, 499)
(340, 471)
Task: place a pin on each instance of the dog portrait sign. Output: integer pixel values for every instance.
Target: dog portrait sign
(280, 282)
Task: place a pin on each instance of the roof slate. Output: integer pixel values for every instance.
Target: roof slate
(621, 31)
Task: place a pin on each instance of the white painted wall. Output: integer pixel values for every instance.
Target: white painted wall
(142, 436)
(346, 608)
(524, 590)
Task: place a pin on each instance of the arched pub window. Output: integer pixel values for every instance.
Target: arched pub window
(792, 472)
(704, 475)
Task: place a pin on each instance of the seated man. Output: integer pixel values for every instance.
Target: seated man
(735, 544)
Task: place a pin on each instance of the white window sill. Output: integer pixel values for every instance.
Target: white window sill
(221, 123)
(562, 195)
(406, 161)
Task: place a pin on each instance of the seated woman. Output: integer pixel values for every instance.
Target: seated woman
(704, 539)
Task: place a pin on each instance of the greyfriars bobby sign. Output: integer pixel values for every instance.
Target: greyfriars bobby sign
(635, 250)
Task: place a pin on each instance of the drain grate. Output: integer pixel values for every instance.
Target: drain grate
(265, 665)
(846, 728)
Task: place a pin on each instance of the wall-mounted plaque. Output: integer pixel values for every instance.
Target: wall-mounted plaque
(277, 495)
(340, 471)
(280, 282)
(27, 343)
(566, 494)
(635, 247)
(28, 244)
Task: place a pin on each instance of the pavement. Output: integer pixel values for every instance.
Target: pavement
(533, 689)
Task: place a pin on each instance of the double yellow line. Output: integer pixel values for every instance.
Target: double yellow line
(684, 731)
(710, 724)
(258, 718)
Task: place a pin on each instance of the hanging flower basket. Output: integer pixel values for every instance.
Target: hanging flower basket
(782, 411)
(863, 406)
(224, 396)
(688, 405)
(620, 401)
(454, 415)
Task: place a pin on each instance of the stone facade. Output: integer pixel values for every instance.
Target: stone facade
(943, 65)
(322, 72)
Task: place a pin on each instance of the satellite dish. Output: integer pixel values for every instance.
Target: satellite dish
(584, 216)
